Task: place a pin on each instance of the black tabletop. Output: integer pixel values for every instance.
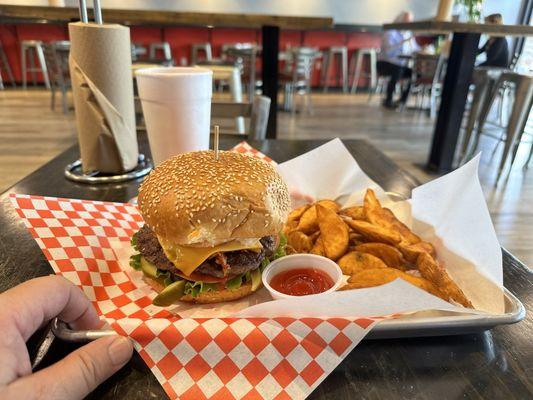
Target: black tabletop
(491, 364)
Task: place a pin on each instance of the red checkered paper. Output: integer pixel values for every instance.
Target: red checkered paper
(229, 358)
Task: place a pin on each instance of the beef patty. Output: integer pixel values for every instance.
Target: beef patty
(238, 262)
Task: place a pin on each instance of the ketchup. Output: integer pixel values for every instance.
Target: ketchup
(301, 282)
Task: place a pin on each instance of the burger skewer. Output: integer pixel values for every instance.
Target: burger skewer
(215, 141)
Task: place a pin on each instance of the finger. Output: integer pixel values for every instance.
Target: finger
(27, 306)
(78, 374)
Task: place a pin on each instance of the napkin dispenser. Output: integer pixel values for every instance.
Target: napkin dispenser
(100, 68)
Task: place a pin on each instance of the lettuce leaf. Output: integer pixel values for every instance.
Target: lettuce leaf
(195, 288)
(135, 262)
(235, 283)
(134, 241)
(280, 251)
(264, 264)
(165, 277)
(135, 259)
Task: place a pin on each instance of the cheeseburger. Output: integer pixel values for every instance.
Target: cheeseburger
(211, 226)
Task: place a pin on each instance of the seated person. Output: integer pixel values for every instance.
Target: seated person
(393, 44)
(496, 48)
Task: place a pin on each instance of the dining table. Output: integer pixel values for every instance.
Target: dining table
(460, 65)
(494, 363)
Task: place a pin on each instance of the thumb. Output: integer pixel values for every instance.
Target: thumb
(81, 371)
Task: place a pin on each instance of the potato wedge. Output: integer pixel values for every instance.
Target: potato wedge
(290, 250)
(356, 261)
(356, 212)
(412, 251)
(378, 215)
(318, 247)
(333, 231)
(356, 238)
(314, 236)
(380, 276)
(299, 241)
(297, 213)
(371, 201)
(289, 227)
(332, 205)
(386, 253)
(394, 222)
(437, 274)
(308, 222)
(374, 233)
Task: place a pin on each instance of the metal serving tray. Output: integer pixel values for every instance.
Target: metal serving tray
(442, 323)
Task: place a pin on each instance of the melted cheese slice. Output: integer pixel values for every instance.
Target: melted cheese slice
(187, 258)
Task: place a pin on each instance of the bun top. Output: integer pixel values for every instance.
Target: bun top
(193, 199)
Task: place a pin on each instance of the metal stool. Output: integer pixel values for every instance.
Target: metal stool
(33, 48)
(4, 65)
(357, 62)
(196, 48)
(243, 56)
(523, 100)
(484, 80)
(297, 81)
(342, 53)
(380, 87)
(164, 47)
(137, 51)
(56, 55)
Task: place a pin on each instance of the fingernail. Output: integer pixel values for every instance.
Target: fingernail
(120, 350)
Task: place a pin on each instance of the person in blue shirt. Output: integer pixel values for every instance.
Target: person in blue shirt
(393, 45)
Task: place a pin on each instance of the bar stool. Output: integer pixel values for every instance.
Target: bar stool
(4, 66)
(357, 61)
(137, 51)
(162, 46)
(297, 81)
(56, 55)
(33, 48)
(244, 56)
(196, 48)
(380, 87)
(523, 100)
(341, 52)
(484, 79)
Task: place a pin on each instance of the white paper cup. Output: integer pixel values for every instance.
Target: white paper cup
(297, 261)
(176, 104)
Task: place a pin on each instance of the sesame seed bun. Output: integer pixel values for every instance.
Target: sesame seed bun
(218, 296)
(193, 199)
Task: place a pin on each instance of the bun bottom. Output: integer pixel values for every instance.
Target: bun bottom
(218, 296)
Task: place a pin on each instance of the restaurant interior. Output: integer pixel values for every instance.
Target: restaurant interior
(416, 89)
(339, 92)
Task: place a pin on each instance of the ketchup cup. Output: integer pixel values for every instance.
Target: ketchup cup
(301, 261)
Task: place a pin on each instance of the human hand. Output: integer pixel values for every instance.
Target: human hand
(29, 306)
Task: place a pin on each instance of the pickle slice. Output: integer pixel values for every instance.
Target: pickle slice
(256, 279)
(170, 294)
(148, 268)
